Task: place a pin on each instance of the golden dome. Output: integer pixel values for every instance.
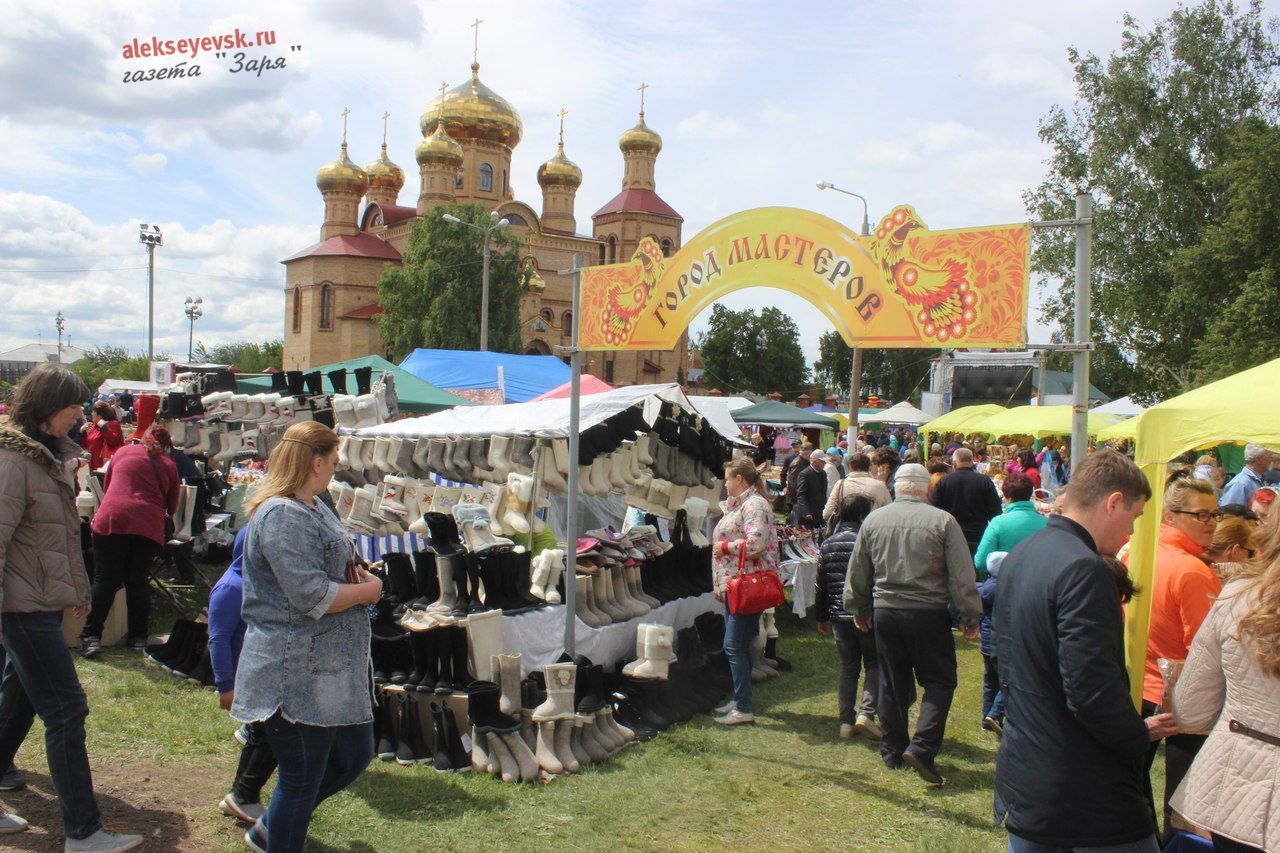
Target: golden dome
(641, 139)
(536, 282)
(439, 149)
(342, 176)
(383, 174)
(474, 111)
(559, 171)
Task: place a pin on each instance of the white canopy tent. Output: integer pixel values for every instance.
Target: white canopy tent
(1124, 407)
(899, 413)
(550, 418)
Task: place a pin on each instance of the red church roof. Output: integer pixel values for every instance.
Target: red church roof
(351, 246)
(393, 213)
(645, 201)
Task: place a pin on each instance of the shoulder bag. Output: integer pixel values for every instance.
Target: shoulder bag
(753, 592)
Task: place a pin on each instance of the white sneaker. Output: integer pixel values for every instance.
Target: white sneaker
(736, 718)
(868, 727)
(247, 812)
(725, 708)
(11, 823)
(103, 842)
(846, 731)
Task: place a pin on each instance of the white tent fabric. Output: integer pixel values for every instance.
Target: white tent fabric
(133, 386)
(899, 413)
(731, 404)
(1124, 407)
(549, 418)
(719, 411)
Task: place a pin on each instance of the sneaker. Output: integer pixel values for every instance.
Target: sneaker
(256, 837)
(991, 724)
(90, 646)
(138, 644)
(11, 823)
(242, 735)
(247, 812)
(12, 780)
(103, 842)
(868, 727)
(736, 718)
(924, 769)
(726, 708)
(846, 731)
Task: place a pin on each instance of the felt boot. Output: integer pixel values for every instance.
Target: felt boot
(657, 653)
(518, 495)
(507, 670)
(479, 751)
(561, 679)
(564, 748)
(484, 635)
(642, 631)
(505, 760)
(582, 607)
(545, 754)
(575, 743)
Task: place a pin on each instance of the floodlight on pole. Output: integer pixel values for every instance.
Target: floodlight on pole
(496, 223)
(150, 236)
(194, 309)
(59, 322)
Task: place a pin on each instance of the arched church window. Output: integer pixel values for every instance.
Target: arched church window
(613, 249)
(602, 258)
(666, 247)
(515, 219)
(326, 306)
(457, 182)
(546, 314)
(297, 309)
(566, 323)
(486, 177)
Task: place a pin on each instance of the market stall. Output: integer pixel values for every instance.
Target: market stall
(1037, 422)
(899, 413)
(962, 420)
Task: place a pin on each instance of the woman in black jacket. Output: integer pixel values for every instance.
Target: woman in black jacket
(857, 649)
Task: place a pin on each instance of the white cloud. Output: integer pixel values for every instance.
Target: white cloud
(706, 125)
(1028, 70)
(148, 164)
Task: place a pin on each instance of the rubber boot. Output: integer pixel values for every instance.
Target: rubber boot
(404, 752)
(545, 754)
(458, 651)
(386, 744)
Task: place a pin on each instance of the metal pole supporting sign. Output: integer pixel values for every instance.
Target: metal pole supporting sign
(1080, 358)
(575, 401)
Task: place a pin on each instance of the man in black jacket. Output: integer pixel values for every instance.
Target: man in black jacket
(969, 496)
(1070, 769)
(857, 648)
(811, 491)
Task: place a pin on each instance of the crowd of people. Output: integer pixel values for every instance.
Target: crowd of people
(915, 547)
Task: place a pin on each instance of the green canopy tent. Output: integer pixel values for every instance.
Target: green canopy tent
(416, 396)
(775, 414)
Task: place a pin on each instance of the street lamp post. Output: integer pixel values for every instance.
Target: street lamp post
(60, 322)
(194, 310)
(150, 236)
(494, 224)
(855, 374)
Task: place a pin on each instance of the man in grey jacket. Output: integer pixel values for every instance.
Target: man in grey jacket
(911, 561)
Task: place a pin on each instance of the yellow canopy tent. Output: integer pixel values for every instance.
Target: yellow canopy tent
(1038, 422)
(1232, 409)
(1127, 428)
(959, 420)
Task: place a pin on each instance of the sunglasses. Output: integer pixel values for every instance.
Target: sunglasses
(1203, 516)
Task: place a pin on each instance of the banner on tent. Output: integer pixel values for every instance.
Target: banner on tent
(903, 286)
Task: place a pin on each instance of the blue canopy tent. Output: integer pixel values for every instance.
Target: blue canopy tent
(523, 376)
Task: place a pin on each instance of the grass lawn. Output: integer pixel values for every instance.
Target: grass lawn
(163, 755)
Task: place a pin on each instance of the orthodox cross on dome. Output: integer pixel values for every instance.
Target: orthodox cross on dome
(440, 114)
(641, 89)
(346, 111)
(561, 116)
(475, 55)
(385, 116)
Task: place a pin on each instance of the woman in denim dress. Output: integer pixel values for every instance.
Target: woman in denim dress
(304, 668)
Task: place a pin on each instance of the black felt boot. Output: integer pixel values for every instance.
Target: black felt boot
(482, 709)
(400, 585)
(406, 719)
(458, 653)
(440, 742)
(458, 756)
(398, 661)
(364, 379)
(338, 379)
(279, 383)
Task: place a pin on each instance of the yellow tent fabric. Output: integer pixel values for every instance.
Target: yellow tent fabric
(1238, 408)
(1127, 428)
(959, 420)
(1038, 422)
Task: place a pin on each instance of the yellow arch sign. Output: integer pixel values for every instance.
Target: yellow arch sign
(903, 286)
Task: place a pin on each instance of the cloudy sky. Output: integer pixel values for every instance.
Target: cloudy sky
(935, 105)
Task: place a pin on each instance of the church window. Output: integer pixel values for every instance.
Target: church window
(602, 260)
(297, 309)
(608, 371)
(546, 314)
(486, 178)
(504, 181)
(666, 247)
(613, 249)
(457, 182)
(515, 219)
(566, 323)
(326, 306)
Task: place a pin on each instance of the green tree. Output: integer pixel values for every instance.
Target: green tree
(107, 362)
(245, 356)
(1152, 136)
(746, 351)
(893, 373)
(432, 299)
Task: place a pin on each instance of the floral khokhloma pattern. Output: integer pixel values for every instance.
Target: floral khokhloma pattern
(615, 308)
(957, 285)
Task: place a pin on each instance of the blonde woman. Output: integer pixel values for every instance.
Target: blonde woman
(1230, 687)
(746, 528)
(304, 667)
(1233, 545)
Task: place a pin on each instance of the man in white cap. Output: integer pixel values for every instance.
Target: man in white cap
(910, 562)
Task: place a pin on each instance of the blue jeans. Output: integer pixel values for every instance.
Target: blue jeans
(316, 762)
(992, 695)
(1022, 845)
(40, 678)
(739, 631)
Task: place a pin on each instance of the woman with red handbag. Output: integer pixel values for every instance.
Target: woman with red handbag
(744, 559)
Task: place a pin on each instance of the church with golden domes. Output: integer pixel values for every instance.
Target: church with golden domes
(469, 133)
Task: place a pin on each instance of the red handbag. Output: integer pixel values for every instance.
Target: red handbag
(753, 592)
